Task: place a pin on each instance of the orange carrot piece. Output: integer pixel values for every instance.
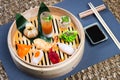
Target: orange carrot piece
(23, 50)
(37, 54)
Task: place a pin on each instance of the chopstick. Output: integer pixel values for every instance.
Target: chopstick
(104, 25)
(89, 12)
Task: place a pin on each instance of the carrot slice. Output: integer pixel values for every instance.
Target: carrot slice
(23, 50)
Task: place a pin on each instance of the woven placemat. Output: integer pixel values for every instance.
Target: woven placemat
(3, 75)
(9, 8)
(106, 70)
(114, 6)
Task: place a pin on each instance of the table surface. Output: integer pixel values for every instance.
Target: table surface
(104, 51)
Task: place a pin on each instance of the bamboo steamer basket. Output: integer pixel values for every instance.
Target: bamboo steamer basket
(46, 69)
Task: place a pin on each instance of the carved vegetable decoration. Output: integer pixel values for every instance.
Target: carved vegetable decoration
(22, 50)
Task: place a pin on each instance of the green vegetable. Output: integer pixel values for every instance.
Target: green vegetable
(65, 19)
(47, 19)
(68, 36)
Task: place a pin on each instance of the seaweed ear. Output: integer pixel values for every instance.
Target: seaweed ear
(20, 22)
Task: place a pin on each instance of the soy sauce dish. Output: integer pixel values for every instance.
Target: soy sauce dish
(40, 55)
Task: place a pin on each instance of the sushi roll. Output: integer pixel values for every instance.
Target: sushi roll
(37, 57)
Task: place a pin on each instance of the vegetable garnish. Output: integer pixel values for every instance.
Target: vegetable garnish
(53, 56)
(37, 54)
(47, 19)
(65, 19)
(23, 49)
(21, 22)
(68, 36)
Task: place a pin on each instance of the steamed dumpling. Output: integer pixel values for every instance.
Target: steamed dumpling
(30, 31)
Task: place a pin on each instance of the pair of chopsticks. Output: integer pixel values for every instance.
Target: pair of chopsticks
(104, 25)
(89, 12)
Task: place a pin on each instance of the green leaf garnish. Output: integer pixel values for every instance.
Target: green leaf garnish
(47, 19)
(68, 36)
(21, 22)
(65, 19)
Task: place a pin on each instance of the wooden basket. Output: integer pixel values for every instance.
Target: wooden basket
(45, 68)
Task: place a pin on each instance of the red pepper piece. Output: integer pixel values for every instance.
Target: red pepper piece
(53, 56)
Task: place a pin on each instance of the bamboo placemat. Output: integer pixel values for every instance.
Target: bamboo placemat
(3, 75)
(106, 70)
(9, 8)
(114, 6)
